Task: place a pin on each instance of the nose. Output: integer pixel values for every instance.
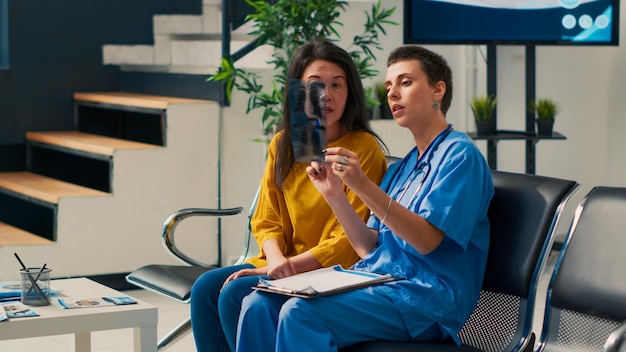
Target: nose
(325, 96)
(392, 93)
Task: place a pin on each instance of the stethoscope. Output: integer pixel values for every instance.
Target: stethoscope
(421, 165)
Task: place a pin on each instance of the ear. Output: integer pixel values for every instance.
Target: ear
(439, 90)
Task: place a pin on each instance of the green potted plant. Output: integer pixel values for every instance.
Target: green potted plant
(381, 95)
(483, 108)
(545, 109)
(285, 25)
(370, 102)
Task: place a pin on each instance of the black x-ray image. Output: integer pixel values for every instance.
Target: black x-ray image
(307, 105)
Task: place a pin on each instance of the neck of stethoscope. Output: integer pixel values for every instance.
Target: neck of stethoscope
(434, 145)
(430, 151)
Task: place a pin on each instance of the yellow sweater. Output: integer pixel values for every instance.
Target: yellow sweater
(298, 215)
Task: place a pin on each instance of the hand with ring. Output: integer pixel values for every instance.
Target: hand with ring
(346, 165)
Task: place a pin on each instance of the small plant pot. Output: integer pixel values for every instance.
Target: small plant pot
(484, 128)
(544, 127)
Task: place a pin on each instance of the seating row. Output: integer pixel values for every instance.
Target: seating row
(585, 304)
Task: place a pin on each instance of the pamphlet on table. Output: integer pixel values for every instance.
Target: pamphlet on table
(17, 309)
(91, 302)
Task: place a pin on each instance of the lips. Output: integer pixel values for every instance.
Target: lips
(396, 107)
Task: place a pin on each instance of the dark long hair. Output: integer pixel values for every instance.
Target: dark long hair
(355, 116)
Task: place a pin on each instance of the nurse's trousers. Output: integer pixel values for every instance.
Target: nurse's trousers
(274, 322)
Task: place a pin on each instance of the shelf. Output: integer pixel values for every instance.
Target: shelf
(514, 135)
(528, 135)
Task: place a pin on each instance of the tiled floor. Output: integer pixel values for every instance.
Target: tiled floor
(171, 313)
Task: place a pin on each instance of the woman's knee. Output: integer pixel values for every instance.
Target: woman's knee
(209, 284)
(296, 309)
(205, 285)
(232, 294)
(252, 301)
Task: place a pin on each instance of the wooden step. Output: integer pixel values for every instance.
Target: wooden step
(134, 99)
(12, 236)
(44, 188)
(85, 142)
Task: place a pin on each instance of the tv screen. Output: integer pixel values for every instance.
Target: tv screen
(547, 22)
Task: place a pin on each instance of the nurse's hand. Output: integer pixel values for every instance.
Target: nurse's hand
(281, 269)
(325, 179)
(347, 166)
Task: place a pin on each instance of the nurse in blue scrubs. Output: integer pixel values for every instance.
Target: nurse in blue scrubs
(428, 226)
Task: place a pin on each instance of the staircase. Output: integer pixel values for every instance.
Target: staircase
(132, 160)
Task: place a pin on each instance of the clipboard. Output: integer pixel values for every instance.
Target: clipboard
(323, 282)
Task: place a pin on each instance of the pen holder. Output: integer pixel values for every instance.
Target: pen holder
(35, 286)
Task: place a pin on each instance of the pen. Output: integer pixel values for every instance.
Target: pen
(280, 289)
(20, 311)
(20, 261)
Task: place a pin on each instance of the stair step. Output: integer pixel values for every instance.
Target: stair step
(12, 236)
(85, 142)
(44, 188)
(133, 99)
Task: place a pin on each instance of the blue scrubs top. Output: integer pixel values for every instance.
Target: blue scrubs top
(442, 287)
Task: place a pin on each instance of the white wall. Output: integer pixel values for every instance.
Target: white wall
(586, 81)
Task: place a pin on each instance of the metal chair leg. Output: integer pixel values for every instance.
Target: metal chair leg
(181, 330)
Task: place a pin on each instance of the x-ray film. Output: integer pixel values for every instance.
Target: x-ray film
(307, 107)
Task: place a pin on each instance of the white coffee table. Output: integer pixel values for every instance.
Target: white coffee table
(54, 320)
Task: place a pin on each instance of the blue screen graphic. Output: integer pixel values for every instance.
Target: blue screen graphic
(550, 22)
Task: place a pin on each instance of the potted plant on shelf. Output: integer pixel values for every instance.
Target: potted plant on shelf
(545, 109)
(285, 25)
(483, 108)
(381, 95)
(370, 102)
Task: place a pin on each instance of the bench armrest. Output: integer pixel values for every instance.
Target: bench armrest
(169, 227)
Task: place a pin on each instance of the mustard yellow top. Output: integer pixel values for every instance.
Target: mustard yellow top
(298, 216)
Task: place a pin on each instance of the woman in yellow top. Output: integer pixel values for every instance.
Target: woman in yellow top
(293, 225)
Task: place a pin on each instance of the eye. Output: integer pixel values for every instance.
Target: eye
(336, 85)
(406, 83)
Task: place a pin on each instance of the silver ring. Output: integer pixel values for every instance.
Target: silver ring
(344, 160)
(339, 167)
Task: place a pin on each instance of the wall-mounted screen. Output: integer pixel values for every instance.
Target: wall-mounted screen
(547, 22)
